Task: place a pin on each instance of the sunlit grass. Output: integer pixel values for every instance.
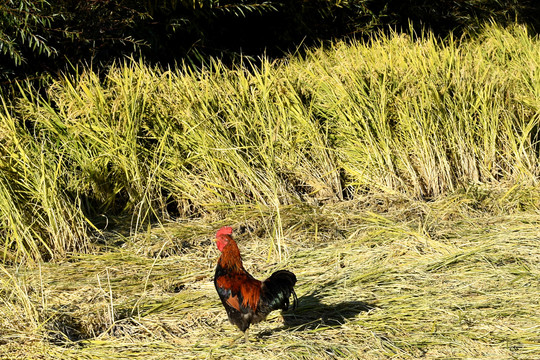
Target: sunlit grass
(437, 284)
(399, 115)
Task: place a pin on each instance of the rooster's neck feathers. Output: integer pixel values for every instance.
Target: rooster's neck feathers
(230, 257)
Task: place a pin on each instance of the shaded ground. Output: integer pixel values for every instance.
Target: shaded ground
(436, 284)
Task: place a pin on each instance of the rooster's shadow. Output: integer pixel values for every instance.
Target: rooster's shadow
(311, 313)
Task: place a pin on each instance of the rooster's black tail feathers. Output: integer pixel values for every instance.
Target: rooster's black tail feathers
(277, 289)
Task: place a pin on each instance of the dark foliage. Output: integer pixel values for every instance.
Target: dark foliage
(37, 36)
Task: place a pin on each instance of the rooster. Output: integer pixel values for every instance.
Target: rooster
(246, 299)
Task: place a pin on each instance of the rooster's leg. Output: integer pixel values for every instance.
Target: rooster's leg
(246, 337)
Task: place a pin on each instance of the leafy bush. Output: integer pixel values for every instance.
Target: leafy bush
(21, 20)
(38, 36)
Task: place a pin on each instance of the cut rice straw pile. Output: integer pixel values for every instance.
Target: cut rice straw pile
(422, 281)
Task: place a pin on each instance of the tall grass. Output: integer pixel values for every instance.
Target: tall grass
(399, 114)
(426, 118)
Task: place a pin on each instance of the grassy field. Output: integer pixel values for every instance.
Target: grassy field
(397, 178)
(398, 115)
(421, 282)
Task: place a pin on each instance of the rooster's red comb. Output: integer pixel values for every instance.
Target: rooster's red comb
(226, 230)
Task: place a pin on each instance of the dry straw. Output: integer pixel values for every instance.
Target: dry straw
(397, 178)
